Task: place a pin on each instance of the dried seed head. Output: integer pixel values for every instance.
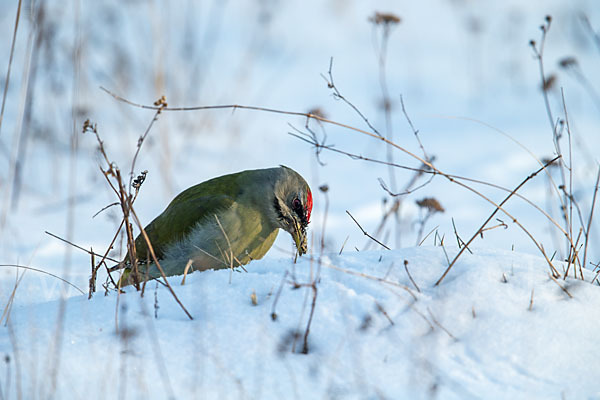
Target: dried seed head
(384, 19)
(546, 160)
(137, 182)
(317, 111)
(162, 102)
(568, 62)
(88, 126)
(549, 83)
(431, 204)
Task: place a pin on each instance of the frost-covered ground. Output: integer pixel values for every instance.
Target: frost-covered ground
(476, 336)
(465, 71)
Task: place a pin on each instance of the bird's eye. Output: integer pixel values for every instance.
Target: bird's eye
(296, 204)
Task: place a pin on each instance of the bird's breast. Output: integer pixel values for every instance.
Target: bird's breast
(230, 238)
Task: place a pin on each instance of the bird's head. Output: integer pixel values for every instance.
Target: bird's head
(293, 204)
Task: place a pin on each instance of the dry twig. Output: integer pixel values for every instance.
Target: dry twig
(365, 232)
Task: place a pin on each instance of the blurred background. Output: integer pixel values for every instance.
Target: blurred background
(465, 69)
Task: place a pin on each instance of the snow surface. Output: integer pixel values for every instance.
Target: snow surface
(475, 336)
(468, 78)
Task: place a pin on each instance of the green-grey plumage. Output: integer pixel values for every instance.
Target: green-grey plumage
(227, 221)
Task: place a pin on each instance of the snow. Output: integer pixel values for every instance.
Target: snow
(470, 84)
(474, 336)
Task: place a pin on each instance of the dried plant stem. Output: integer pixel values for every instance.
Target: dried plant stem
(11, 299)
(589, 223)
(499, 207)
(79, 247)
(459, 240)
(313, 286)
(186, 270)
(365, 232)
(230, 255)
(412, 127)
(277, 295)
(343, 245)
(573, 258)
(338, 95)
(373, 278)
(155, 260)
(531, 301)
(564, 289)
(141, 141)
(43, 272)
(435, 321)
(429, 234)
(410, 276)
(10, 60)
(565, 199)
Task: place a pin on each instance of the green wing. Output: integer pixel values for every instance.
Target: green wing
(185, 211)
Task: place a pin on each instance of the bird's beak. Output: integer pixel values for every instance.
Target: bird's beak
(299, 236)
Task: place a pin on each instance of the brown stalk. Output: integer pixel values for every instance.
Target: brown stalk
(564, 289)
(155, 260)
(186, 270)
(531, 301)
(573, 258)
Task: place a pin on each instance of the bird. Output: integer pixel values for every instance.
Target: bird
(224, 222)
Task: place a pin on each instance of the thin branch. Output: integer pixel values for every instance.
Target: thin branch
(412, 127)
(365, 232)
(105, 208)
(162, 103)
(338, 95)
(79, 247)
